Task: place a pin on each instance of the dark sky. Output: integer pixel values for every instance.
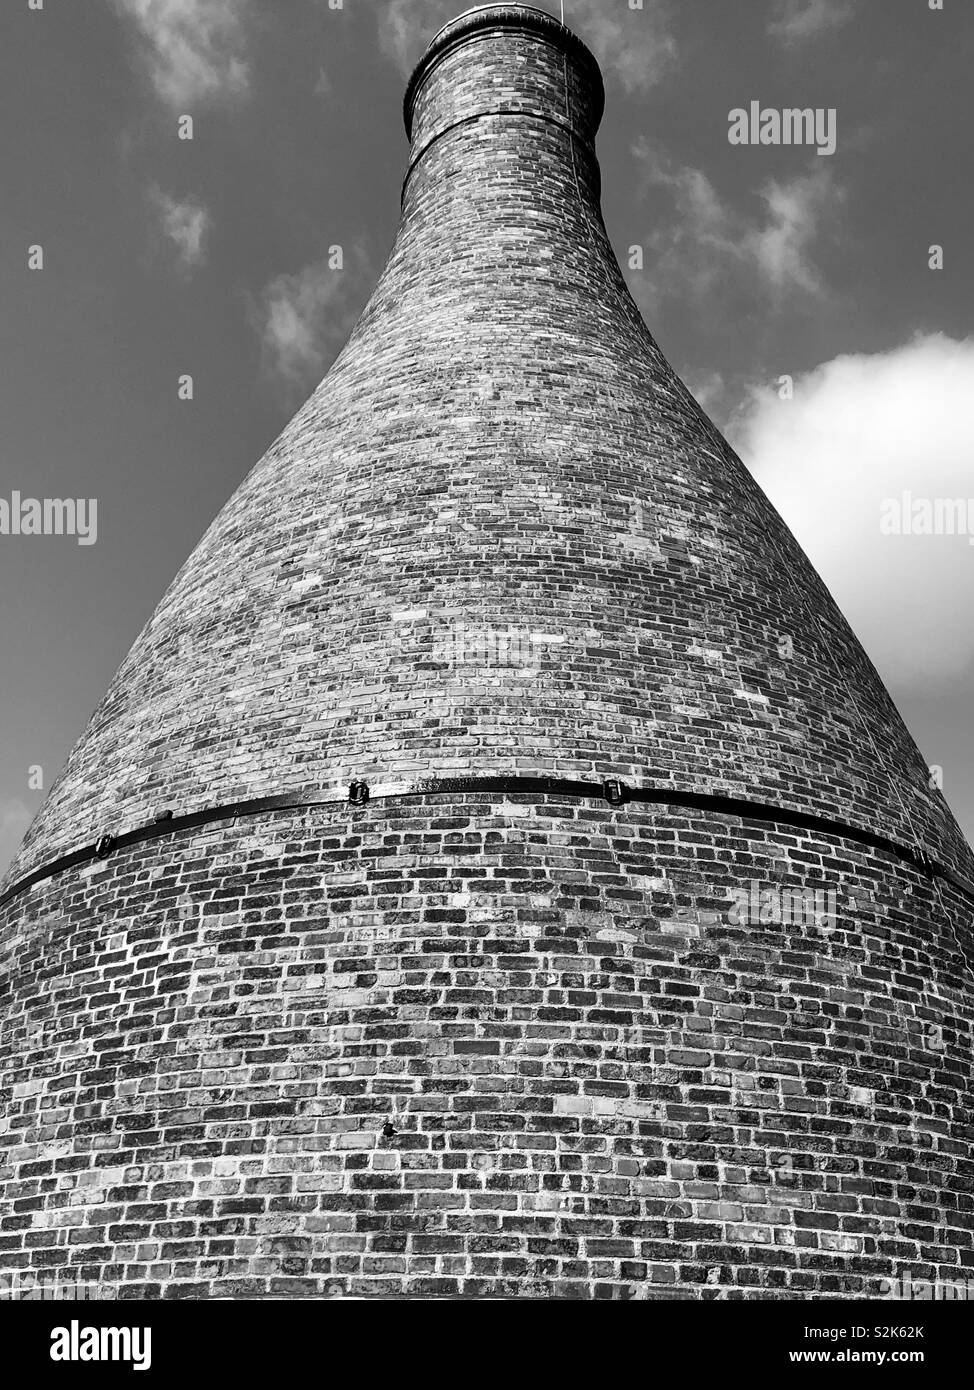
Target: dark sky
(210, 257)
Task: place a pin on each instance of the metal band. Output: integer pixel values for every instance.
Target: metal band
(613, 791)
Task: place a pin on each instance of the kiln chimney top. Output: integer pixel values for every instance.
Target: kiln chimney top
(516, 21)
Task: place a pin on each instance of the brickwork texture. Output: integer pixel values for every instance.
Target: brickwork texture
(460, 1043)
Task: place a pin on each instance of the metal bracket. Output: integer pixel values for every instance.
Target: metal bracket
(615, 792)
(925, 862)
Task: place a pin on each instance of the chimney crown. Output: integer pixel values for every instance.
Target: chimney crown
(503, 59)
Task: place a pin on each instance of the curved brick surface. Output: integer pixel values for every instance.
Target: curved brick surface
(499, 537)
(501, 447)
(597, 1085)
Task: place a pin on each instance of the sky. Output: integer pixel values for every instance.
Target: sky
(800, 295)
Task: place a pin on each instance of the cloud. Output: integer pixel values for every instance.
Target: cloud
(695, 240)
(14, 820)
(708, 388)
(700, 240)
(793, 21)
(185, 224)
(780, 249)
(194, 49)
(862, 430)
(406, 27)
(305, 318)
(634, 47)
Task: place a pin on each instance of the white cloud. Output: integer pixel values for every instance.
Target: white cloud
(185, 224)
(700, 240)
(634, 47)
(303, 318)
(781, 247)
(693, 245)
(861, 430)
(406, 27)
(194, 49)
(14, 820)
(707, 387)
(793, 21)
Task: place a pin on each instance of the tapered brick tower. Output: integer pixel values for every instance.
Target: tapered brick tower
(496, 868)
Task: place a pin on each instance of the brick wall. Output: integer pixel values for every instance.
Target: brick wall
(598, 1085)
